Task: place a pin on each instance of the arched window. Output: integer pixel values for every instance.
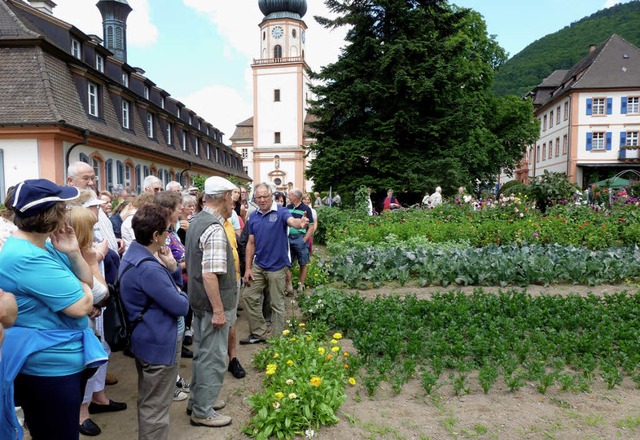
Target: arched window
(119, 38)
(95, 163)
(108, 167)
(109, 36)
(277, 51)
(119, 172)
(84, 158)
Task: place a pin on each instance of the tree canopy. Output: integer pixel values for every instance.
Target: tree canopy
(407, 105)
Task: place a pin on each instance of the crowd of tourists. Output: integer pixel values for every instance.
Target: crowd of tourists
(178, 261)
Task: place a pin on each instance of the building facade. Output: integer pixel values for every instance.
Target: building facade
(272, 142)
(67, 96)
(589, 117)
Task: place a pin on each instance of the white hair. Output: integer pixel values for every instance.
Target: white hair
(150, 180)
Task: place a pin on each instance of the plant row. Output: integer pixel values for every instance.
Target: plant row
(354, 262)
(566, 342)
(513, 223)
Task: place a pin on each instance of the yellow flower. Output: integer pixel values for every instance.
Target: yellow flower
(276, 404)
(289, 382)
(290, 363)
(352, 381)
(321, 351)
(271, 369)
(328, 358)
(292, 339)
(285, 332)
(315, 381)
(292, 396)
(308, 339)
(345, 354)
(346, 365)
(275, 355)
(337, 336)
(279, 395)
(335, 349)
(302, 324)
(334, 341)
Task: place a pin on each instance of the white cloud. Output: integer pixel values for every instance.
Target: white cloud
(84, 15)
(238, 22)
(610, 3)
(224, 107)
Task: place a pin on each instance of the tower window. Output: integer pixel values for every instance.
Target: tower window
(277, 51)
(276, 137)
(276, 95)
(294, 33)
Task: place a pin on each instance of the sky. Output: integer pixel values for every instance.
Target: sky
(200, 51)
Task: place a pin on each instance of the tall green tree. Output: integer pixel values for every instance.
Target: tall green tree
(407, 106)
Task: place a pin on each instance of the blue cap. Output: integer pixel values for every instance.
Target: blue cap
(34, 196)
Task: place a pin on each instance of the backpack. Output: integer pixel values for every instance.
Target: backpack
(117, 328)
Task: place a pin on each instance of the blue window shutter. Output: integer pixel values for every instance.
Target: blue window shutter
(609, 136)
(609, 106)
(623, 106)
(589, 106)
(589, 141)
(623, 138)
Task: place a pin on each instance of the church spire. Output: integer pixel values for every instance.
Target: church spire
(114, 25)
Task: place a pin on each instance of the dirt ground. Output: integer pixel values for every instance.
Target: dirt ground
(525, 414)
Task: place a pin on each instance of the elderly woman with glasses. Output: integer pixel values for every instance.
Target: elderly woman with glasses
(149, 275)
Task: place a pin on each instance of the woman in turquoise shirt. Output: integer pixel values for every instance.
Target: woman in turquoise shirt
(51, 282)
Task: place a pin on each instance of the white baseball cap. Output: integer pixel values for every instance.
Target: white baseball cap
(217, 184)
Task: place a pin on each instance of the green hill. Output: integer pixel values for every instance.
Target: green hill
(564, 48)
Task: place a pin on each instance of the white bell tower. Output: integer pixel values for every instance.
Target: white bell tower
(280, 93)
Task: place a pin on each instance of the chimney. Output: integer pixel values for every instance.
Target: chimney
(592, 48)
(114, 26)
(45, 6)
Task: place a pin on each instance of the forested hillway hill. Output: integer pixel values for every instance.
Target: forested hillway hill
(562, 49)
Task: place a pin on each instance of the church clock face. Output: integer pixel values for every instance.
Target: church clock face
(277, 32)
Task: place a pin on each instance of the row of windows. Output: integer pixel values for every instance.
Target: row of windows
(94, 109)
(596, 141)
(604, 106)
(125, 173)
(548, 119)
(545, 153)
(76, 51)
(602, 140)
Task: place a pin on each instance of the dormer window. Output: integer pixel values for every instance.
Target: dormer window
(147, 92)
(92, 99)
(169, 133)
(150, 125)
(197, 147)
(184, 140)
(125, 79)
(100, 63)
(190, 120)
(162, 102)
(178, 112)
(76, 48)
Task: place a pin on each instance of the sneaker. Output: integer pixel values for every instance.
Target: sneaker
(236, 369)
(251, 339)
(183, 385)
(217, 405)
(186, 353)
(214, 420)
(179, 395)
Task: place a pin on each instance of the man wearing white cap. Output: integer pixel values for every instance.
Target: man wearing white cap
(213, 298)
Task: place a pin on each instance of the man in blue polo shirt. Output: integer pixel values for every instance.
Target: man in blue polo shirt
(298, 238)
(269, 244)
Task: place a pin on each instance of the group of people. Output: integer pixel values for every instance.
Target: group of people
(179, 259)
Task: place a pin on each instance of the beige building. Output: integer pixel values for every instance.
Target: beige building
(67, 96)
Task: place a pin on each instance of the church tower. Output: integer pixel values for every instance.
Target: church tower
(276, 152)
(114, 26)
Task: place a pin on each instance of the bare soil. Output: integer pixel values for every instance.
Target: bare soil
(412, 414)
